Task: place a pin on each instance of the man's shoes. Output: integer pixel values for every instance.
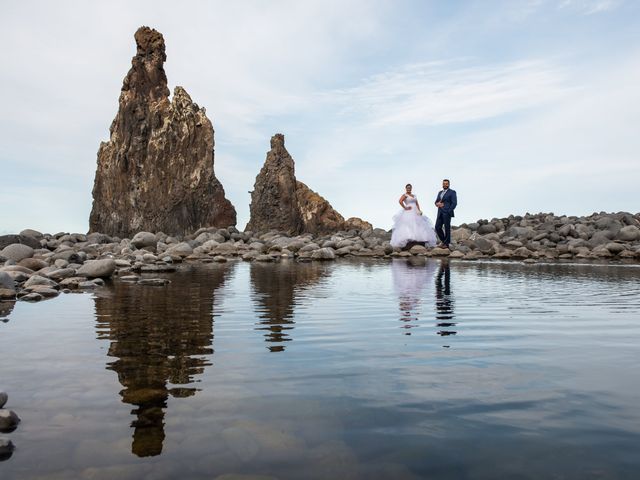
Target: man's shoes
(441, 245)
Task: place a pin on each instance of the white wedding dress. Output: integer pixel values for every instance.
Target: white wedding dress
(410, 226)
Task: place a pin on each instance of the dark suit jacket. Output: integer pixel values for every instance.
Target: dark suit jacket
(450, 201)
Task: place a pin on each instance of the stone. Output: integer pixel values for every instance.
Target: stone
(6, 281)
(615, 248)
(32, 297)
(3, 399)
(86, 285)
(17, 252)
(418, 250)
(6, 449)
(144, 239)
(440, 252)
(460, 234)
(34, 264)
(6, 240)
(40, 280)
(61, 274)
(97, 268)
(482, 244)
(265, 258)
(630, 233)
(456, 254)
(181, 249)
(28, 232)
(487, 228)
(220, 259)
(154, 282)
(46, 292)
(72, 282)
(156, 172)
(7, 293)
(355, 223)
(8, 420)
(522, 252)
(324, 254)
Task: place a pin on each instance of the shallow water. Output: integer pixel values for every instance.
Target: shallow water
(364, 369)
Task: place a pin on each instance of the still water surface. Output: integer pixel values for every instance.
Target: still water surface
(364, 369)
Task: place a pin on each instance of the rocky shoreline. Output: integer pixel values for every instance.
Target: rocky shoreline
(36, 266)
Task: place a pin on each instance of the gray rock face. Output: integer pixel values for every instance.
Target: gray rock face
(324, 254)
(17, 252)
(97, 268)
(156, 171)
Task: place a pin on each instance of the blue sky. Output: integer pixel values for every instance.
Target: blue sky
(526, 106)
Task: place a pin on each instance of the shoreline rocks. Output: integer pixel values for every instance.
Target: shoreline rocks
(66, 262)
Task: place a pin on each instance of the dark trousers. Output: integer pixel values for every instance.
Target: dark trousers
(443, 227)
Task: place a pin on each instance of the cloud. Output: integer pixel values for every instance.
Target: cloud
(590, 7)
(437, 93)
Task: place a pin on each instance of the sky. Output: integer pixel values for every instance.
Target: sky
(526, 106)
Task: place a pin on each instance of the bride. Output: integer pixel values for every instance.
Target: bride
(409, 224)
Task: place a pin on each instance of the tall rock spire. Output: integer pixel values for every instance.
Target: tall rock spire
(156, 171)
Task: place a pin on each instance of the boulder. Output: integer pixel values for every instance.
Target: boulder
(144, 239)
(630, 233)
(6, 281)
(615, 248)
(181, 249)
(8, 420)
(156, 171)
(324, 254)
(17, 252)
(34, 264)
(97, 268)
(37, 280)
(6, 240)
(355, 223)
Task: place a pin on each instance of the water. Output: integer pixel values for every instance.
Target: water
(364, 369)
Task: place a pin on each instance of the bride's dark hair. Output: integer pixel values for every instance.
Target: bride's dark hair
(408, 185)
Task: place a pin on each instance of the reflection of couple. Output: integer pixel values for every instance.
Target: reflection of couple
(410, 225)
(410, 279)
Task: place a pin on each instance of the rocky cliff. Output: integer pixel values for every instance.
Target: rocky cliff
(156, 171)
(281, 202)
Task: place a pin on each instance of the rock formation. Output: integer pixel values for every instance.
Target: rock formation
(274, 202)
(156, 171)
(280, 202)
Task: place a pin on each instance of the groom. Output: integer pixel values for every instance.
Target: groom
(446, 202)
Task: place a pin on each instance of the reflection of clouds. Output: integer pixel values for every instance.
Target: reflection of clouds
(410, 279)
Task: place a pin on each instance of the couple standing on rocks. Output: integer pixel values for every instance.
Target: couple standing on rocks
(410, 225)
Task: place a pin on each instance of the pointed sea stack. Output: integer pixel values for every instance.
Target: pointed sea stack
(274, 202)
(156, 171)
(280, 202)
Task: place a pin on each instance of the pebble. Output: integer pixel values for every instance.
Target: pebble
(8, 420)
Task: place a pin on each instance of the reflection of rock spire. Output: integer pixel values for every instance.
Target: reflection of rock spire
(158, 337)
(410, 278)
(275, 288)
(444, 300)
